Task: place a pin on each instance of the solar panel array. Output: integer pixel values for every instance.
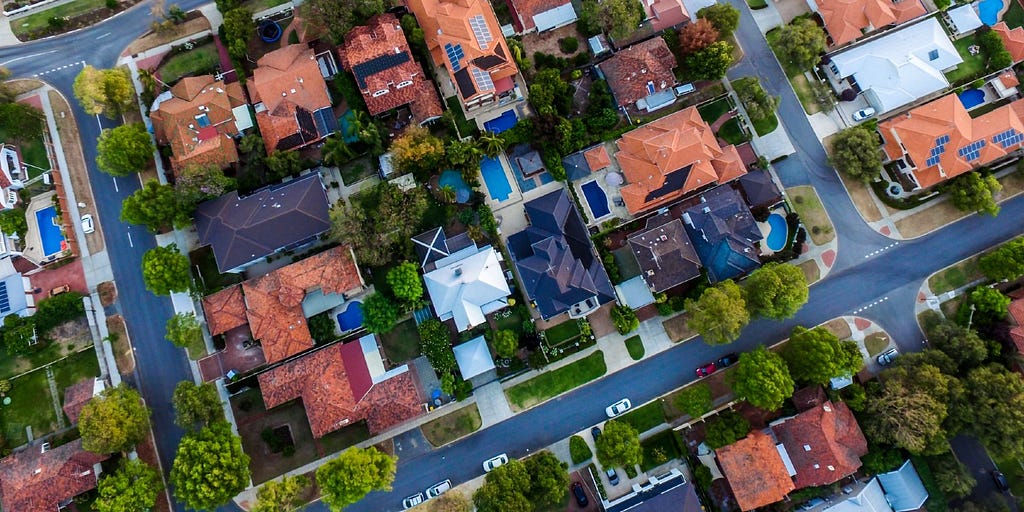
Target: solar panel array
(1008, 138)
(455, 55)
(483, 79)
(5, 301)
(937, 151)
(971, 151)
(481, 31)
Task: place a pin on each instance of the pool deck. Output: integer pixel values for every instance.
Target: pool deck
(609, 191)
(766, 230)
(33, 250)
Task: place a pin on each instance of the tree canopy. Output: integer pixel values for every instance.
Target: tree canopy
(619, 445)
(405, 282)
(12, 221)
(619, 18)
(816, 355)
(337, 17)
(239, 27)
(197, 183)
(724, 17)
(418, 151)
(436, 344)
(379, 313)
(379, 221)
(196, 405)
(776, 290)
(762, 379)
(104, 91)
(165, 270)
(183, 330)
(505, 343)
(995, 409)
(134, 486)
(158, 207)
(1004, 262)
(696, 36)
(725, 429)
(909, 409)
(210, 467)
(720, 314)
(989, 305)
(756, 101)
(695, 400)
(350, 476)
(114, 421)
(963, 345)
(855, 153)
(504, 489)
(124, 150)
(280, 495)
(975, 192)
(801, 43)
(712, 62)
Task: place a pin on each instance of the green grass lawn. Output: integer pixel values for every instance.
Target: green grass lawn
(806, 203)
(512, 322)
(401, 343)
(1014, 16)
(757, 4)
(466, 128)
(562, 332)
(356, 170)
(452, 426)
(31, 405)
(875, 343)
(207, 276)
(955, 276)
(765, 125)
(37, 21)
(75, 368)
(732, 132)
(635, 346)
(33, 152)
(556, 382)
(203, 59)
(260, 5)
(646, 417)
(710, 112)
(659, 449)
(972, 66)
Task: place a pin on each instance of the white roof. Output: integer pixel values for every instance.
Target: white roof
(467, 288)
(902, 66)
(869, 499)
(964, 18)
(692, 6)
(634, 293)
(554, 18)
(371, 354)
(243, 117)
(473, 357)
(903, 488)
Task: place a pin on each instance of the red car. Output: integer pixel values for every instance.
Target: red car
(708, 369)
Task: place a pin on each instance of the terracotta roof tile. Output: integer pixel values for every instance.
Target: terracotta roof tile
(755, 471)
(597, 158)
(76, 396)
(225, 310)
(523, 11)
(808, 397)
(825, 444)
(631, 70)
(1012, 39)
(31, 480)
(175, 122)
(847, 20)
(1009, 79)
(663, 14)
(287, 82)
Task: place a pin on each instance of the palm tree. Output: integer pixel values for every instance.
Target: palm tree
(335, 152)
(446, 194)
(491, 144)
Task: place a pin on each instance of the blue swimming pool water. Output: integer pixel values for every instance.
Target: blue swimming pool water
(988, 11)
(49, 232)
(972, 98)
(777, 236)
(352, 317)
(494, 177)
(501, 123)
(454, 179)
(596, 198)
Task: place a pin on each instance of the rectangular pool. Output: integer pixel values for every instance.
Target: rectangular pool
(49, 231)
(596, 198)
(494, 176)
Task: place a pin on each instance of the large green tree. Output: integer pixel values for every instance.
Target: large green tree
(549, 479)
(855, 153)
(134, 486)
(816, 355)
(550, 95)
(418, 151)
(379, 313)
(504, 489)
(505, 343)
(280, 495)
(619, 18)
(1004, 262)
(712, 62)
(183, 330)
(379, 222)
(995, 409)
(158, 207)
(910, 409)
(436, 344)
(210, 467)
(724, 17)
(975, 192)
(952, 476)
(197, 183)
(20, 120)
(350, 476)
(13, 222)
(196, 405)
(962, 345)
(989, 305)
(124, 150)
(801, 43)
(405, 282)
(337, 17)
(104, 91)
(720, 314)
(756, 101)
(776, 291)
(725, 429)
(114, 421)
(165, 270)
(619, 445)
(239, 28)
(695, 400)
(762, 379)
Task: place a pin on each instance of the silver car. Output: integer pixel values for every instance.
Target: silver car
(863, 114)
(412, 501)
(438, 489)
(495, 462)
(886, 358)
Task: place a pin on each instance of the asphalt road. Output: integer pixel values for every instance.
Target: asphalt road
(973, 454)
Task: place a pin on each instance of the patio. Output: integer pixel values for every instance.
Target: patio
(241, 354)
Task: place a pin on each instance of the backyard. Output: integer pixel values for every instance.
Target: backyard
(807, 204)
(402, 343)
(1014, 16)
(72, 337)
(197, 61)
(973, 65)
(556, 382)
(452, 426)
(33, 152)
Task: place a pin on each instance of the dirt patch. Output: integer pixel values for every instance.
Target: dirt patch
(121, 344)
(839, 327)
(941, 212)
(73, 333)
(152, 39)
(677, 329)
(811, 271)
(23, 85)
(863, 198)
(807, 204)
(547, 42)
(108, 293)
(71, 143)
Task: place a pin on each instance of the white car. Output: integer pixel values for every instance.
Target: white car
(496, 462)
(863, 114)
(618, 408)
(886, 358)
(87, 225)
(438, 489)
(412, 501)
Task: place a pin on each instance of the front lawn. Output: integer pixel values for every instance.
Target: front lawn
(73, 369)
(796, 76)
(342, 438)
(955, 276)
(31, 406)
(40, 20)
(513, 321)
(646, 417)
(562, 333)
(556, 382)
(197, 61)
(452, 426)
(659, 449)
(710, 112)
(209, 278)
(805, 201)
(972, 67)
(635, 346)
(876, 343)
(33, 152)
(402, 343)
(732, 132)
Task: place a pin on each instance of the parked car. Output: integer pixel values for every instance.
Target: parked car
(618, 408)
(580, 494)
(863, 114)
(1000, 479)
(495, 462)
(728, 360)
(438, 489)
(708, 369)
(87, 225)
(683, 90)
(59, 290)
(613, 477)
(412, 501)
(886, 358)
(595, 432)
(811, 504)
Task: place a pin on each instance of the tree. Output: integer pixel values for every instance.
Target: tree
(1005, 262)
(379, 221)
(720, 314)
(776, 291)
(134, 486)
(762, 379)
(196, 405)
(505, 343)
(993, 48)
(379, 314)
(724, 17)
(975, 192)
(549, 478)
(855, 152)
(405, 282)
(165, 270)
(436, 344)
(909, 409)
(712, 62)
(13, 222)
(283, 164)
(210, 467)
(20, 120)
(353, 474)
(337, 17)
(280, 495)
(951, 475)
(757, 102)
(619, 18)
(197, 183)
(335, 151)
(550, 95)
(238, 29)
(963, 345)
(124, 150)
(114, 421)
(816, 355)
(464, 156)
(417, 151)
(725, 429)
(994, 406)
(104, 91)
(801, 43)
(624, 318)
(183, 330)
(491, 145)
(156, 206)
(619, 445)
(696, 36)
(989, 305)
(695, 400)
(504, 489)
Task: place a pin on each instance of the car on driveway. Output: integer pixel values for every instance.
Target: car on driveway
(412, 501)
(87, 224)
(618, 408)
(580, 494)
(613, 477)
(438, 489)
(1000, 479)
(495, 462)
(863, 114)
(708, 369)
(595, 432)
(886, 358)
(728, 360)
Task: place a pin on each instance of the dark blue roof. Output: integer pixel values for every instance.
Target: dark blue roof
(724, 233)
(376, 65)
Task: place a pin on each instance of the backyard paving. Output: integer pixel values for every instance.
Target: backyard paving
(48, 279)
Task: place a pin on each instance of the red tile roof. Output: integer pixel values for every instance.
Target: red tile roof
(76, 396)
(284, 81)
(825, 444)
(225, 310)
(1017, 331)
(655, 153)
(175, 122)
(663, 14)
(755, 471)
(847, 20)
(1012, 39)
(597, 158)
(35, 481)
(523, 11)
(631, 70)
(1009, 79)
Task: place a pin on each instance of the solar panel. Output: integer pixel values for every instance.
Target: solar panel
(5, 301)
(932, 161)
(483, 80)
(973, 155)
(481, 31)
(455, 55)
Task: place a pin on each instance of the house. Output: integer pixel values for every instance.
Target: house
(79, 394)
(16, 290)
(242, 230)
(724, 234)
(1016, 314)
(556, 260)
(903, 488)
(670, 158)
(664, 14)
(848, 20)
(12, 170)
(899, 67)
(42, 478)
(464, 37)
(466, 285)
(379, 57)
(667, 258)
(540, 15)
(759, 189)
(434, 245)
(199, 118)
(755, 471)
(824, 444)
(940, 140)
(641, 75)
(289, 94)
(276, 305)
(344, 383)
(1013, 40)
(869, 498)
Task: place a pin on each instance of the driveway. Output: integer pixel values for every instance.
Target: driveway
(973, 454)
(593, 498)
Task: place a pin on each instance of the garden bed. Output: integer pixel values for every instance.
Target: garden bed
(72, 16)
(659, 449)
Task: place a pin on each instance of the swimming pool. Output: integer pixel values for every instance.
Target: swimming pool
(776, 240)
(972, 98)
(49, 231)
(494, 177)
(988, 11)
(453, 179)
(596, 198)
(505, 121)
(352, 317)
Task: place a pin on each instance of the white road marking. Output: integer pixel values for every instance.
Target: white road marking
(875, 303)
(25, 57)
(103, 35)
(879, 251)
(115, 184)
(58, 68)
(130, 244)
(98, 123)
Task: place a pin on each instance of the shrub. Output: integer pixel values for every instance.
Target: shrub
(568, 45)
(112, 4)
(625, 319)
(578, 450)
(54, 311)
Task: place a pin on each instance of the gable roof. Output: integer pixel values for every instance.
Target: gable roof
(759, 189)
(292, 105)
(664, 252)
(33, 480)
(755, 471)
(79, 394)
(903, 488)
(435, 244)
(724, 233)
(869, 498)
(824, 443)
(225, 310)
(847, 20)
(939, 135)
(663, 14)
(198, 122)
(1013, 40)
(900, 66)
(667, 159)
(245, 229)
(555, 257)
(597, 158)
(525, 14)
(467, 285)
(640, 71)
